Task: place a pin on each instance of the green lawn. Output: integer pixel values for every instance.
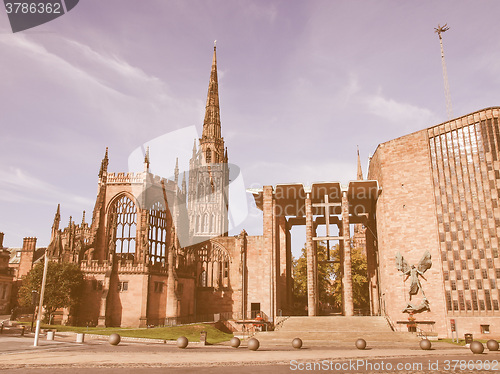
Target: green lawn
(462, 341)
(192, 332)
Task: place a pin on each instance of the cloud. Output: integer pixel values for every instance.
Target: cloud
(18, 186)
(262, 10)
(303, 171)
(408, 117)
(104, 86)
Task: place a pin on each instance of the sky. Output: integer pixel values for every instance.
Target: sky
(301, 85)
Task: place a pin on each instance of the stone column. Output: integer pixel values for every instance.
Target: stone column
(289, 266)
(281, 264)
(172, 305)
(267, 299)
(347, 278)
(143, 320)
(371, 264)
(242, 308)
(312, 296)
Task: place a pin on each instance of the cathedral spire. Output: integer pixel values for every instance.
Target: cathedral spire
(212, 115)
(360, 171)
(104, 164)
(57, 219)
(211, 142)
(183, 186)
(146, 160)
(176, 171)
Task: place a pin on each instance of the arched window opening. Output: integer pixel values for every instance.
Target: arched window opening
(209, 192)
(208, 156)
(214, 266)
(201, 192)
(123, 226)
(157, 233)
(203, 279)
(205, 223)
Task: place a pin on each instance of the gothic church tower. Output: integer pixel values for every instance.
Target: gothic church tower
(209, 172)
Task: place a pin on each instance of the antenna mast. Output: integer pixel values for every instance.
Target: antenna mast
(440, 30)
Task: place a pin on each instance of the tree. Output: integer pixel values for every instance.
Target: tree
(359, 273)
(330, 279)
(326, 277)
(63, 289)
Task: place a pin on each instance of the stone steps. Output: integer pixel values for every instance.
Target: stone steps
(336, 323)
(337, 329)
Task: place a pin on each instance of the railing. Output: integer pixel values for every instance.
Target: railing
(421, 333)
(279, 322)
(390, 322)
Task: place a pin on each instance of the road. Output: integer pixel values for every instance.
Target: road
(18, 355)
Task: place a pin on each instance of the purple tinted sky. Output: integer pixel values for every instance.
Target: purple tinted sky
(301, 84)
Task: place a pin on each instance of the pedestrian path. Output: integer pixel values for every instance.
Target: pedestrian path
(64, 352)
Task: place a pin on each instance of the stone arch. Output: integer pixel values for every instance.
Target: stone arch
(213, 265)
(208, 156)
(157, 232)
(122, 226)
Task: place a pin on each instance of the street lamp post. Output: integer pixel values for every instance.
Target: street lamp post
(40, 304)
(34, 301)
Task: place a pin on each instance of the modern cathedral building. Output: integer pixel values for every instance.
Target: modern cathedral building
(440, 190)
(158, 251)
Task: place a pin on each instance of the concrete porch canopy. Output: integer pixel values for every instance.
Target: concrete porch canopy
(323, 203)
(290, 198)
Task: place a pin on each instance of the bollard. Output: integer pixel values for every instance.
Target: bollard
(114, 339)
(476, 347)
(80, 337)
(182, 342)
(425, 344)
(22, 330)
(361, 343)
(492, 345)
(50, 335)
(253, 344)
(203, 337)
(297, 343)
(235, 342)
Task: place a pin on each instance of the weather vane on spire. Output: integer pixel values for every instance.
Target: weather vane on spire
(215, 43)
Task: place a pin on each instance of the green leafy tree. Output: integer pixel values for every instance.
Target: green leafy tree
(63, 288)
(326, 277)
(330, 279)
(359, 279)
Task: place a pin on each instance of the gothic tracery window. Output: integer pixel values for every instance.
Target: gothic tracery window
(213, 266)
(209, 156)
(201, 192)
(123, 216)
(158, 233)
(206, 223)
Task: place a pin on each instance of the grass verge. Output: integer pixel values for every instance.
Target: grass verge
(461, 342)
(192, 332)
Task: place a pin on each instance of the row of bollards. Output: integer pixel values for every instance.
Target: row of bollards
(253, 344)
(478, 347)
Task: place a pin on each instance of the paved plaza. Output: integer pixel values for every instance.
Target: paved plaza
(18, 355)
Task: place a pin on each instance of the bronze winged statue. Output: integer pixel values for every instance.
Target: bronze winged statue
(414, 273)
